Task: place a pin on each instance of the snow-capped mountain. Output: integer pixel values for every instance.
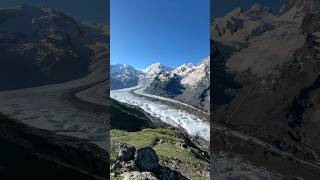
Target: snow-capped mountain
(184, 69)
(184, 82)
(180, 83)
(192, 76)
(156, 68)
(123, 76)
(39, 46)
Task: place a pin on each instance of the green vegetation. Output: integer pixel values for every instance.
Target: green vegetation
(168, 145)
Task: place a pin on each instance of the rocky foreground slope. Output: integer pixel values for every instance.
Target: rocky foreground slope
(266, 78)
(30, 153)
(172, 156)
(151, 149)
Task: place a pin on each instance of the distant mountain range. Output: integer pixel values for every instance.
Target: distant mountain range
(41, 46)
(123, 76)
(180, 83)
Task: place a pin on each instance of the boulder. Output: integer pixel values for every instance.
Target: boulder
(168, 174)
(136, 175)
(146, 159)
(126, 152)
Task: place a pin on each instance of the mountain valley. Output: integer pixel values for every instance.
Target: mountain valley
(266, 75)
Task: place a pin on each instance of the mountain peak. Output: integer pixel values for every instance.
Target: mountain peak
(25, 6)
(258, 8)
(295, 9)
(157, 64)
(236, 12)
(313, 5)
(156, 68)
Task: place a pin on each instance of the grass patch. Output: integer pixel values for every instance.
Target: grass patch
(144, 138)
(166, 144)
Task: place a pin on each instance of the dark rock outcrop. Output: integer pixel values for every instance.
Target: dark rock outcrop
(146, 159)
(126, 152)
(144, 166)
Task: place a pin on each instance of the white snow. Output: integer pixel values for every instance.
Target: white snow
(175, 117)
(193, 78)
(184, 69)
(124, 72)
(124, 69)
(156, 68)
(197, 73)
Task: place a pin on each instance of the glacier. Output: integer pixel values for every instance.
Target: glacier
(195, 126)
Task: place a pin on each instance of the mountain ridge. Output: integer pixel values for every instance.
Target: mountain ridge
(266, 74)
(43, 46)
(179, 83)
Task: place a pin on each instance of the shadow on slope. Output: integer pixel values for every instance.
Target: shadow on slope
(30, 153)
(128, 118)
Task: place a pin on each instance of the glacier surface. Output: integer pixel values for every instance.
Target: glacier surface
(175, 117)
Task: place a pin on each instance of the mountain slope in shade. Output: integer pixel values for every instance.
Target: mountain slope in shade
(30, 153)
(41, 46)
(266, 77)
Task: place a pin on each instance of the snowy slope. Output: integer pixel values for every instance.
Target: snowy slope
(124, 76)
(183, 82)
(194, 75)
(156, 68)
(184, 69)
(178, 83)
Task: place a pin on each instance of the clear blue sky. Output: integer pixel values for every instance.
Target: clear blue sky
(171, 32)
(82, 10)
(221, 7)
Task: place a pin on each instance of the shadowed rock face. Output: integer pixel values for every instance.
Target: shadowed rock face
(128, 118)
(29, 153)
(268, 85)
(41, 46)
(146, 159)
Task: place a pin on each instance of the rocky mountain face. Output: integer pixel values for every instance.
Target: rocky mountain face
(124, 76)
(184, 82)
(41, 46)
(266, 76)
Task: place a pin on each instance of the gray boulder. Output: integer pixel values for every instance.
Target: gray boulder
(146, 159)
(136, 175)
(126, 152)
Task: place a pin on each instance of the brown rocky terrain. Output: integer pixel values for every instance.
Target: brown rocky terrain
(266, 80)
